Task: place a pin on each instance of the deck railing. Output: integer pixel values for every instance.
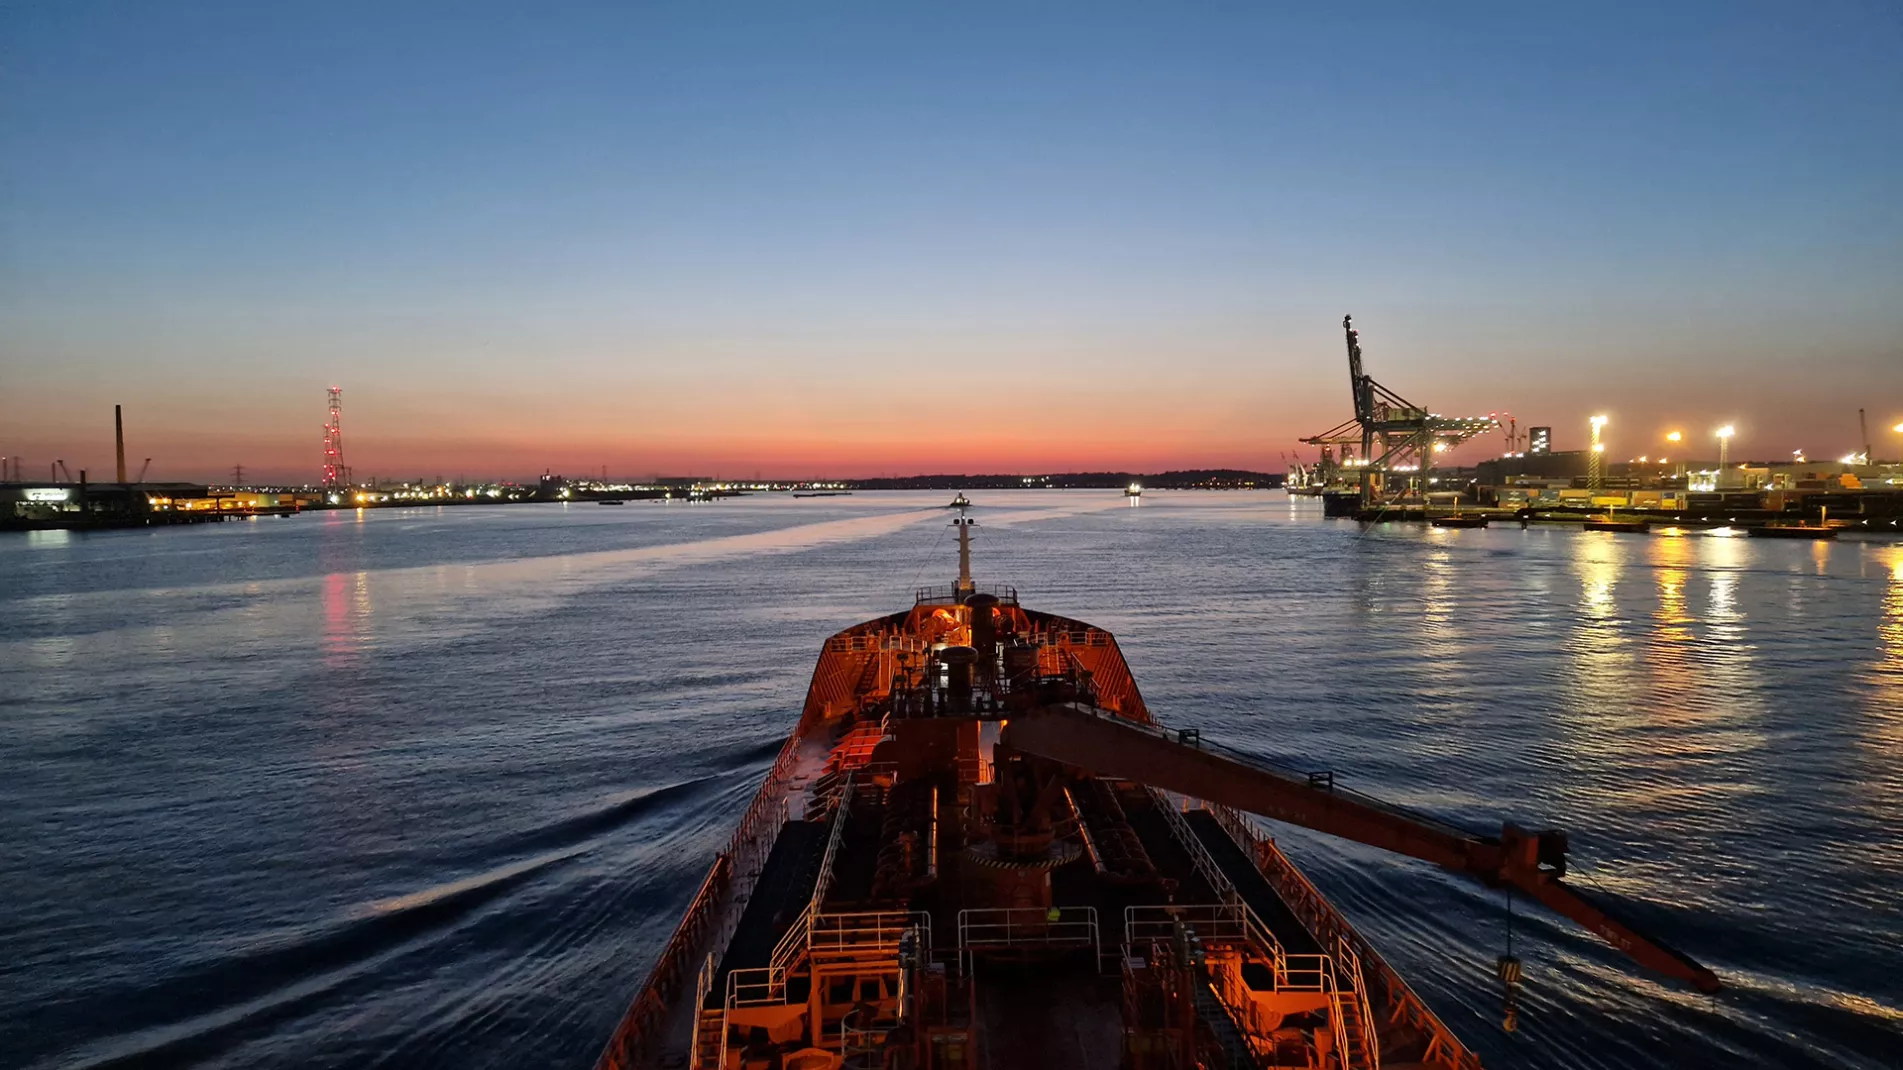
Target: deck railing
(991, 928)
(1210, 921)
(645, 1015)
(875, 932)
(1349, 961)
(1294, 972)
(1322, 969)
(823, 884)
(861, 642)
(1320, 916)
(1199, 856)
(1240, 1004)
(760, 986)
(793, 943)
(946, 594)
(1225, 889)
(701, 987)
(731, 877)
(813, 929)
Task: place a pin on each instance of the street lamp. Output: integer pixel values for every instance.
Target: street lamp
(1675, 437)
(1595, 461)
(1724, 447)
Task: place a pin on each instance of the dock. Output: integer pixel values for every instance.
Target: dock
(87, 506)
(1757, 523)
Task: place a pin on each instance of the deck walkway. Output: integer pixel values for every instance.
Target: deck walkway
(785, 886)
(1251, 885)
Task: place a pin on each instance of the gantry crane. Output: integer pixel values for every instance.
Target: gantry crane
(1075, 735)
(1408, 435)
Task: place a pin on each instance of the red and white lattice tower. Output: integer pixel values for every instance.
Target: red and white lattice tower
(336, 476)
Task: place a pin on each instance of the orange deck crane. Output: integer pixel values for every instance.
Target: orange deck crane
(1533, 862)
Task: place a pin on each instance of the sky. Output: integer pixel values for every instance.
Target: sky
(832, 239)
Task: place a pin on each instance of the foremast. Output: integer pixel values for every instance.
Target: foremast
(964, 524)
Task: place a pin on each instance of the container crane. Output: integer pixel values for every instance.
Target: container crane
(1407, 433)
(1532, 862)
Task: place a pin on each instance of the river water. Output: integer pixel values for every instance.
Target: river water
(430, 787)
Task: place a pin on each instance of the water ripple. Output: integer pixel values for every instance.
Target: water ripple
(431, 787)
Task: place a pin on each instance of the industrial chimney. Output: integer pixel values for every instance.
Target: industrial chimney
(119, 440)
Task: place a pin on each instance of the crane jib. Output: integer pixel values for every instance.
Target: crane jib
(1534, 862)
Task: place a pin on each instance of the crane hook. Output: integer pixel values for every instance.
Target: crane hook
(1509, 969)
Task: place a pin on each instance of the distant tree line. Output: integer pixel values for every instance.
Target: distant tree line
(1206, 478)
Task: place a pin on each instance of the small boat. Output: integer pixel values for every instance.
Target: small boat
(611, 501)
(960, 502)
(1607, 523)
(1134, 490)
(1460, 520)
(1792, 531)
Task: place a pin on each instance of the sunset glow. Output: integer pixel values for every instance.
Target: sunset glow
(803, 245)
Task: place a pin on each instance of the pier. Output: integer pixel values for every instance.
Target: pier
(88, 506)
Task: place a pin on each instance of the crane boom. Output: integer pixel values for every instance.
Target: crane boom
(1357, 379)
(1532, 862)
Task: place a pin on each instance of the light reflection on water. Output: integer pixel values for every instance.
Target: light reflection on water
(1600, 658)
(1890, 629)
(434, 784)
(1881, 736)
(1439, 625)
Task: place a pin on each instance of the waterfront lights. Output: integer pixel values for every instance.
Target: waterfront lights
(1674, 436)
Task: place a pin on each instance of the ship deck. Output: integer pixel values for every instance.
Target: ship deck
(906, 891)
(1036, 1018)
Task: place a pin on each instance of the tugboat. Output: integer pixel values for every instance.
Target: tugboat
(1134, 490)
(979, 849)
(960, 502)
